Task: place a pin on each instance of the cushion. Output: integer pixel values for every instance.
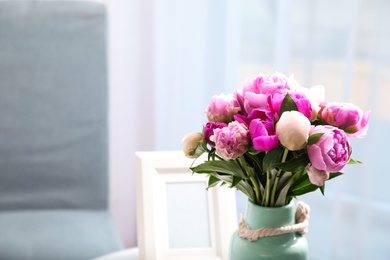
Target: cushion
(56, 234)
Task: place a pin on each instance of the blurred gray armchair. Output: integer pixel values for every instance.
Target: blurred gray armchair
(53, 131)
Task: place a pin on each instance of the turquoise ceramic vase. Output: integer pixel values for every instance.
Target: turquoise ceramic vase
(291, 246)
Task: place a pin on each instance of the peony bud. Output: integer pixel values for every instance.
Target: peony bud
(293, 130)
(190, 143)
(346, 116)
(222, 108)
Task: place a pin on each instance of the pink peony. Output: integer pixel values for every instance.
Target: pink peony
(346, 116)
(231, 141)
(332, 151)
(222, 108)
(255, 91)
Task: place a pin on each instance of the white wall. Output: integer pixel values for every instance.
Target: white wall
(166, 60)
(131, 100)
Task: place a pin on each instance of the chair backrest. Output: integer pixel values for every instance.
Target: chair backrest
(53, 105)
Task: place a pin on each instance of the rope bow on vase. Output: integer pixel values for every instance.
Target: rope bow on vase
(301, 226)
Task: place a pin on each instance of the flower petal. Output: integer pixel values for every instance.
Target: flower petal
(316, 157)
(317, 177)
(265, 143)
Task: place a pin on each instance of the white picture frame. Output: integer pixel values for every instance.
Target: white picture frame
(168, 193)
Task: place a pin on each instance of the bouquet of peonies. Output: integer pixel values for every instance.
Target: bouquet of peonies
(275, 140)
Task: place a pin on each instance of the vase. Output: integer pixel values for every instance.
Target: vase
(291, 246)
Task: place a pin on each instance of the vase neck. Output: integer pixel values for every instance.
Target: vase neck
(269, 217)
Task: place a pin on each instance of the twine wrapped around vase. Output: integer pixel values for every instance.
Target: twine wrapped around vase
(301, 226)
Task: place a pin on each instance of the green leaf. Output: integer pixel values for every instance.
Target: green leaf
(285, 179)
(213, 181)
(227, 167)
(298, 174)
(255, 161)
(223, 177)
(242, 186)
(302, 186)
(282, 196)
(309, 187)
(235, 181)
(253, 151)
(295, 164)
(252, 172)
(334, 175)
(247, 189)
(288, 104)
(272, 158)
(314, 138)
(322, 189)
(352, 161)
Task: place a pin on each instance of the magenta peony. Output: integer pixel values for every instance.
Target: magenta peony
(209, 131)
(302, 102)
(262, 140)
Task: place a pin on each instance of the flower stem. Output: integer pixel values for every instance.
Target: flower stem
(275, 184)
(255, 184)
(267, 190)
